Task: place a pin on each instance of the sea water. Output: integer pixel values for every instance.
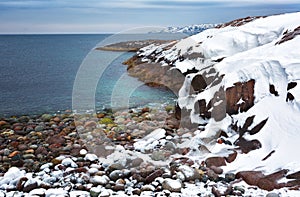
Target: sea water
(38, 73)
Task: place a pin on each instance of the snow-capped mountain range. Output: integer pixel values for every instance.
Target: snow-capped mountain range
(241, 84)
(189, 30)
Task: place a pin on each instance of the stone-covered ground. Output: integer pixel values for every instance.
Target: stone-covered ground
(69, 155)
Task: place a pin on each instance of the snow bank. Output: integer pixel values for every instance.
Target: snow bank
(238, 54)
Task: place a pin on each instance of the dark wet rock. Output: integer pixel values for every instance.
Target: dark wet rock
(229, 177)
(289, 97)
(295, 175)
(240, 189)
(23, 119)
(119, 187)
(291, 85)
(136, 191)
(20, 131)
(204, 178)
(272, 90)
(30, 185)
(247, 146)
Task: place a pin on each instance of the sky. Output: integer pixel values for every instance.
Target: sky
(112, 16)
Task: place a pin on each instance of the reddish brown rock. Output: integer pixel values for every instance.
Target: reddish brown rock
(56, 119)
(56, 139)
(231, 157)
(289, 35)
(20, 183)
(90, 124)
(217, 170)
(29, 187)
(270, 181)
(100, 115)
(240, 91)
(295, 184)
(295, 175)
(22, 147)
(215, 161)
(239, 22)
(150, 178)
(41, 150)
(250, 177)
(2, 122)
(13, 154)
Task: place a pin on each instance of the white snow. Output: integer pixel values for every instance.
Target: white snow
(90, 157)
(83, 152)
(56, 192)
(69, 162)
(102, 180)
(250, 52)
(150, 141)
(175, 184)
(11, 177)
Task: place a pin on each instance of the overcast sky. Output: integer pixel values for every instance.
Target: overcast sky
(103, 16)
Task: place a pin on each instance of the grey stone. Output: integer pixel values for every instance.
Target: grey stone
(272, 194)
(115, 175)
(158, 156)
(39, 128)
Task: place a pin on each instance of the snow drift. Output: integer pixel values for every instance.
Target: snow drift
(241, 85)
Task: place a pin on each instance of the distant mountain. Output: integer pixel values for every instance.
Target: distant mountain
(189, 30)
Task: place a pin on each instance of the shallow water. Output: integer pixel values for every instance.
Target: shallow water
(38, 73)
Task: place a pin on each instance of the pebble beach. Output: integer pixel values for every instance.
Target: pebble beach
(133, 152)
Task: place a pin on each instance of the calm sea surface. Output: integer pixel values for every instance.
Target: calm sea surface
(38, 73)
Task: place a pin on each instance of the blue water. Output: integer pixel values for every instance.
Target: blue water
(38, 73)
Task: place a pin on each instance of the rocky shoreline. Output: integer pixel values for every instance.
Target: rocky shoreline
(130, 46)
(56, 155)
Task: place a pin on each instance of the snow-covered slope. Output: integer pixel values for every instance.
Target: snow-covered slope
(189, 30)
(251, 90)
